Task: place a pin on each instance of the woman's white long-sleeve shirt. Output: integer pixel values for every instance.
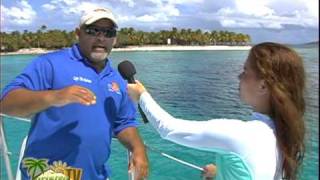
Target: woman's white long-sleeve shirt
(245, 149)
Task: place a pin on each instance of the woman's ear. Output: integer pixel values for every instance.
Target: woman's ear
(263, 88)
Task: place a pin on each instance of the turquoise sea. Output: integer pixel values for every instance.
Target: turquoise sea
(197, 85)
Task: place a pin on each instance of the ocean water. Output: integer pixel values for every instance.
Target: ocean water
(198, 85)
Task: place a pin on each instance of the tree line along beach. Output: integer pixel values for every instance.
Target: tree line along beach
(128, 39)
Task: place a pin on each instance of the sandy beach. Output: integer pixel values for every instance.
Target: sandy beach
(142, 48)
(181, 48)
(27, 51)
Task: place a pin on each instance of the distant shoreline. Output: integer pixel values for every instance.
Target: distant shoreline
(139, 48)
(181, 48)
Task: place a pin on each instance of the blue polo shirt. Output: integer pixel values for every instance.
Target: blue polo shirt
(76, 134)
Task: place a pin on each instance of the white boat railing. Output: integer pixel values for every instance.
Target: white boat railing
(5, 152)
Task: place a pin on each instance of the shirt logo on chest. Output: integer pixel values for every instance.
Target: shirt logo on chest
(114, 87)
(40, 169)
(82, 79)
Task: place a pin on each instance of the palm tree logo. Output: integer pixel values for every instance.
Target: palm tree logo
(35, 167)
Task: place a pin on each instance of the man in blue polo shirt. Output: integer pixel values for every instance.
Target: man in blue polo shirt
(78, 102)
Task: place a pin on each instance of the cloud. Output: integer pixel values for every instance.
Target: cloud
(124, 10)
(147, 18)
(272, 14)
(19, 15)
(154, 15)
(69, 7)
(268, 14)
(130, 3)
(68, 12)
(49, 7)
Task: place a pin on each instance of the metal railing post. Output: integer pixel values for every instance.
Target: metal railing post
(4, 151)
(131, 172)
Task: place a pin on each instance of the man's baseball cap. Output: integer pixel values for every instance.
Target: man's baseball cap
(94, 15)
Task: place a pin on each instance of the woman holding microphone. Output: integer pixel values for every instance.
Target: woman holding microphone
(268, 146)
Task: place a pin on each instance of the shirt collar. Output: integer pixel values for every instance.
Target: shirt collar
(264, 118)
(77, 55)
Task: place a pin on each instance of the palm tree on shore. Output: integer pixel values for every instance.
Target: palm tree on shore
(56, 39)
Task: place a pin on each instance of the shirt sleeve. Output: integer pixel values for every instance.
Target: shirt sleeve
(212, 135)
(126, 116)
(36, 76)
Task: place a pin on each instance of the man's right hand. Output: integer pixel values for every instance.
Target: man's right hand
(24, 103)
(72, 94)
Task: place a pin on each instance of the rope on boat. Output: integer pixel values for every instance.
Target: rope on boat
(175, 159)
(18, 118)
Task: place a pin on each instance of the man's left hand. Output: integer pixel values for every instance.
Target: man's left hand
(139, 165)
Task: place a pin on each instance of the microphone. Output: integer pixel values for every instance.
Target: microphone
(127, 71)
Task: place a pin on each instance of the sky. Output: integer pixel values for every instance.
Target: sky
(283, 21)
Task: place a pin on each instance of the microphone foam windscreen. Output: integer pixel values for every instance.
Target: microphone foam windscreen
(126, 69)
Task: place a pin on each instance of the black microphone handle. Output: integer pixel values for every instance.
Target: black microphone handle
(131, 80)
(144, 117)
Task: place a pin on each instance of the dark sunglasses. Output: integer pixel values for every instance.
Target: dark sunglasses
(107, 32)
